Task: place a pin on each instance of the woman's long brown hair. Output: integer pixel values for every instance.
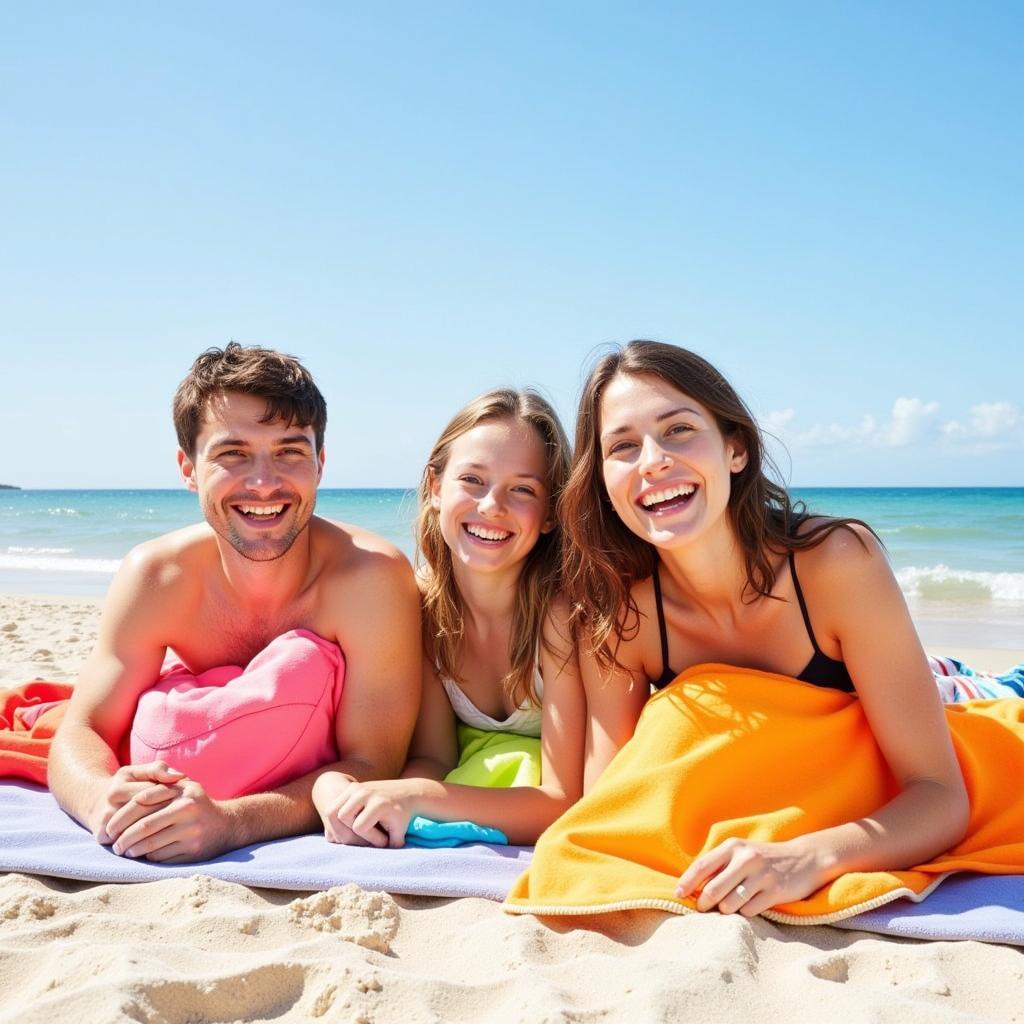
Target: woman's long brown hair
(443, 621)
(603, 559)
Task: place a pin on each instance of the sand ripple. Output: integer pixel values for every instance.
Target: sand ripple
(200, 950)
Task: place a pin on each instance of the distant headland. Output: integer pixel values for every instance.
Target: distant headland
(9, 487)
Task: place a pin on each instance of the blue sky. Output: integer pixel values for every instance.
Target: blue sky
(424, 201)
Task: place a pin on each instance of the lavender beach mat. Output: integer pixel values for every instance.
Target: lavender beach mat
(989, 908)
(37, 837)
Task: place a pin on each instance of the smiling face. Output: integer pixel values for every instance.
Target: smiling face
(666, 466)
(256, 481)
(491, 498)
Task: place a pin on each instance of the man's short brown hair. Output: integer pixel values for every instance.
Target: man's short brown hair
(280, 379)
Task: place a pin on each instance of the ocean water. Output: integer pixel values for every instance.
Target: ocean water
(950, 547)
(71, 542)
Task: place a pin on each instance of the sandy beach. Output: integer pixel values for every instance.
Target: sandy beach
(204, 950)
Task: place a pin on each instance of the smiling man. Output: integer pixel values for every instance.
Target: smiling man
(262, 585)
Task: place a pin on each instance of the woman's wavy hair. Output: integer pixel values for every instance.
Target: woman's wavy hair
(602, 559)
(443, 623)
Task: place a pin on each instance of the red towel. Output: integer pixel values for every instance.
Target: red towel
(29, 716)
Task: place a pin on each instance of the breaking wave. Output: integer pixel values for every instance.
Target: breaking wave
(940, 582)
(50, 562)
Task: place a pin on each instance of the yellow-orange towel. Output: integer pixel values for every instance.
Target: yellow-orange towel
(732, 752)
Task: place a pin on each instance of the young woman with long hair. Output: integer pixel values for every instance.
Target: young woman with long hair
(497, 651)
(680, 550)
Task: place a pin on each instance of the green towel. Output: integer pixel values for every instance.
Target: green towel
(496, 759)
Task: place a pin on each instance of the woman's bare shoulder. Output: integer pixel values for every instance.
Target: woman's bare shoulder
(639, 620)
(848, 556)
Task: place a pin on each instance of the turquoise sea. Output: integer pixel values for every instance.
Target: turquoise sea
(70, 542)
(961, 547)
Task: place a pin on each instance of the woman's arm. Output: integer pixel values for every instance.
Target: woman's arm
(521, 812)
(615, 695)
(434, 750)
(858, 603)
(897, 691)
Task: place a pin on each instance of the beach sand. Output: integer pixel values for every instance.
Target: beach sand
(203, 950)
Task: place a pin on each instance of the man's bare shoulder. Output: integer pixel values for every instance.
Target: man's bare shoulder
(167, 560)
(353, 555)
(367, 591)
(153, 596)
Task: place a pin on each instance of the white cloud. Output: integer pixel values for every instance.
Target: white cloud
(909, 422)
(993, 426)
(987, 420)
(777, 421)
(827, 435)
(989, 427)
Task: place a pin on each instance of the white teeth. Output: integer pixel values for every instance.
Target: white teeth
(656, 497)
(262, 510)
(485, 534)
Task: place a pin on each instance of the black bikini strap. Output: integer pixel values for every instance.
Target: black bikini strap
(661, 620)
(803, 603)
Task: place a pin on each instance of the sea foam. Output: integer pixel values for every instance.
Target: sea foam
(940, 582)
(38, 562)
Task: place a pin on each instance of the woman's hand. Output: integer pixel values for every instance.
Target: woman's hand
(328, 791)
(747, 877)
(364, 813)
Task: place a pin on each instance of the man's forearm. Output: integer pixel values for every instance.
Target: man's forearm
(425, 768)
(80, 765)
(287, 810)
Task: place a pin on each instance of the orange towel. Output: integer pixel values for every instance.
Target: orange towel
(29, 716)
(731, 752)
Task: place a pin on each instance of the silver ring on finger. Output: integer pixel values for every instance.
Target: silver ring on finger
(743, 892)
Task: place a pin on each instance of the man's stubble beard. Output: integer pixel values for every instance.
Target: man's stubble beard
(250, 549)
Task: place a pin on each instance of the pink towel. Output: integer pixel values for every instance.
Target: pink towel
(238, 730)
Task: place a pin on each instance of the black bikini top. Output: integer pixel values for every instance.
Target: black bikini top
(821, 670)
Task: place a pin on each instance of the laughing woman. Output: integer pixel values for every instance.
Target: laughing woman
(682, 551)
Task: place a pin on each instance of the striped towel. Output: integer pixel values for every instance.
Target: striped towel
(958, 682)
